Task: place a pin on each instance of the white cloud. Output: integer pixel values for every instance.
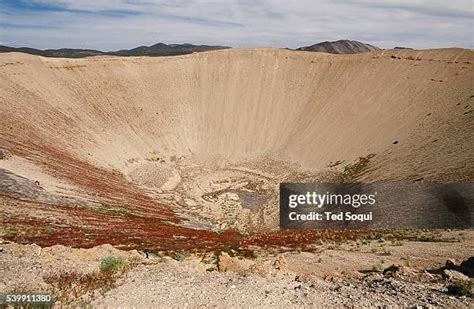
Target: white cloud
(115, 24)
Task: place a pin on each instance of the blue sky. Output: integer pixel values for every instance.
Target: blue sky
(118, 24)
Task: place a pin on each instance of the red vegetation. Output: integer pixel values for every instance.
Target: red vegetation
(145, 224)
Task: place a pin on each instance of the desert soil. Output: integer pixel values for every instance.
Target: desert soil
(335, 275)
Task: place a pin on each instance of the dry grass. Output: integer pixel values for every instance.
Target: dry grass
(68, 287)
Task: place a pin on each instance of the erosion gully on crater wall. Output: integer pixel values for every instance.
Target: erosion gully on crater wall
(187, 152)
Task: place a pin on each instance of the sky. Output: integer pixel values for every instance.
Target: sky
(118, 24)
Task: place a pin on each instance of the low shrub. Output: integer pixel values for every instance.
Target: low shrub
(113, 264)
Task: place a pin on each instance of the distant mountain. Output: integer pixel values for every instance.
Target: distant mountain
(162, 49)
(63, 52)
(340, 47)
(159, 49)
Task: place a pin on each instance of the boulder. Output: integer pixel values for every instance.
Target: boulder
(450, 264)
(396, 271)
(226, 263)
(468, 265)
(281, 263)
(453, 275)
(4, 154)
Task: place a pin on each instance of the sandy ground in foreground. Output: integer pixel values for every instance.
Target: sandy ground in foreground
(336, 275)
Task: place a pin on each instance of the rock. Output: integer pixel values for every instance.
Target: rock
(468, 265)
(453, 275)
(334, 277)
(4, 154)
(396, 271)
(1, 249)
(281, 263)
(460, 288)
(373, 276)
(226, 263)
(450, 264)
(391, 269)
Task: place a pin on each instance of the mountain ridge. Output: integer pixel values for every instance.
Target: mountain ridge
(158, 49)
(340, 47)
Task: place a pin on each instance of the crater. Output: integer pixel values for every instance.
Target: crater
(202, 141)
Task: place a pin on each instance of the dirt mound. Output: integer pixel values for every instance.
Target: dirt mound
(165, 149)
